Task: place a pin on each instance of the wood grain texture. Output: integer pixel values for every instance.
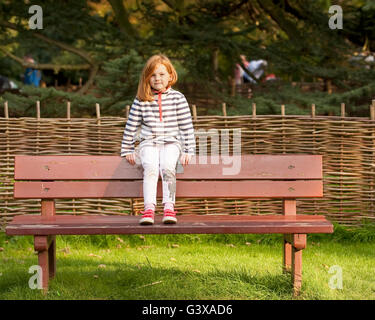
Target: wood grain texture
(185, 189)
(187, 224)
(297, 166)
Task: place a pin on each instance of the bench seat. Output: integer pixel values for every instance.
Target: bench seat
(187, 224)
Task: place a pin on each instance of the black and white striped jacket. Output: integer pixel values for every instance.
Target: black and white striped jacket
(167, 119)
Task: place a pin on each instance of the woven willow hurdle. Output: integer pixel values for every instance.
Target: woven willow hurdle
(347, 145)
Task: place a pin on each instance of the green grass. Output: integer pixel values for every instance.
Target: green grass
(190, 267)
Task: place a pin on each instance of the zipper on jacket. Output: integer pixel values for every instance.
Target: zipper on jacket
(159, 103)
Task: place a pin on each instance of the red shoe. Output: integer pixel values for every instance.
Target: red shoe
(169, 216)
(147, 217)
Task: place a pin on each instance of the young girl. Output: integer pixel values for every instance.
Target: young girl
(167, 134)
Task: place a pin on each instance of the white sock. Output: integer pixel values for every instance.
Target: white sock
(149, 206)
(169, 205)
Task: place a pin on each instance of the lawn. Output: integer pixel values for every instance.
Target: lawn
(246, 267)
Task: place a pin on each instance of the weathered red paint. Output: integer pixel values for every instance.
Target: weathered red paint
(89, 224)
(260, 167)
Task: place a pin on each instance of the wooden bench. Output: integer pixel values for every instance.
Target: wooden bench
(286, 177)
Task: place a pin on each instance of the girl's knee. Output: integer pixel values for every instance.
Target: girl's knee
(168, 165)
(150, 171)
(168, 175)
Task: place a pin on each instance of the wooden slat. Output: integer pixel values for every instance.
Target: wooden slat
(114, 167)
(185, 189)
(74, 167)
(195, 224)
(94, 218)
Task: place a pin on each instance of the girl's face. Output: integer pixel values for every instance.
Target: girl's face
(160, 78)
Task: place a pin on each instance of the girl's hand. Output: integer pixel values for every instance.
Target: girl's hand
(131, 158)
(185, 158)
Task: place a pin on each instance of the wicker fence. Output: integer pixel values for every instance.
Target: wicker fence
(347, 145)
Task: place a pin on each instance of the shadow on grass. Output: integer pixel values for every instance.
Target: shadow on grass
(84, 279)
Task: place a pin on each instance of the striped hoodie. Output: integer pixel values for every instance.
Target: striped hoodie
(167, 119)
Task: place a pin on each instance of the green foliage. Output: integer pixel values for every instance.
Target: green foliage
(119, 82)
(52, 103)
(356, 234)
(270, 96)
(293, 36)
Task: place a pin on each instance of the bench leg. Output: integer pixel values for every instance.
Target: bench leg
(46, 248)
(296, 270)
(52, 257)
(41, 246)
(299, 243)
(287, 254)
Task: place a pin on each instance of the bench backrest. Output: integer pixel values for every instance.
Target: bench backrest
(247, 176)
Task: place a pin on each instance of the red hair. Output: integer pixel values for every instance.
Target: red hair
(144, 92)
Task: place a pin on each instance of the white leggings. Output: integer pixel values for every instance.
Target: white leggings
(163, 158)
